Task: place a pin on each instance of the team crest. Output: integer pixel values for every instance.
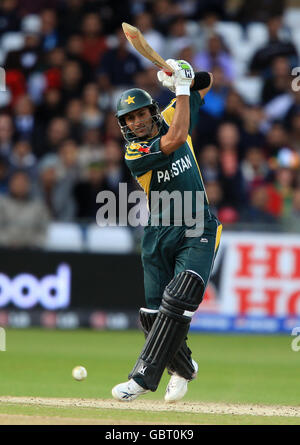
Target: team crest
(130, 100)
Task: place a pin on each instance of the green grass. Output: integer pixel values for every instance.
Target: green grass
(236, 369)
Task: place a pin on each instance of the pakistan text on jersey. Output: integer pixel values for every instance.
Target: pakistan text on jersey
(177, 168)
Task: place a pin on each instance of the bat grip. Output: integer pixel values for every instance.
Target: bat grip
(169, 73)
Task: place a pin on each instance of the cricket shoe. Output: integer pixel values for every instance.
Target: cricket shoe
(128, 391)
(178, 386)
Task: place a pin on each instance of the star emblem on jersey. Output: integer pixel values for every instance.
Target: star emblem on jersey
(130, 100)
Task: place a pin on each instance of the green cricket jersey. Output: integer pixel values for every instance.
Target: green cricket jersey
(177, 172)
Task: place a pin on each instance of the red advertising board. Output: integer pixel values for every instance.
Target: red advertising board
(258, 278)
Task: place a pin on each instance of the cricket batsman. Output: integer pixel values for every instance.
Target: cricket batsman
(177, 266)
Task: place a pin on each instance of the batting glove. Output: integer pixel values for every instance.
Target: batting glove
(183, 76)
(166, 80)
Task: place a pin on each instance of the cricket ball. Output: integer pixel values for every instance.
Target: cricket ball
(79, 373)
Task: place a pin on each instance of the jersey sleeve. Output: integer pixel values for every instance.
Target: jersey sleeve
(195, 103)
(140, 157)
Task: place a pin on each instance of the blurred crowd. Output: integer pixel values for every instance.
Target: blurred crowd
(67, 61)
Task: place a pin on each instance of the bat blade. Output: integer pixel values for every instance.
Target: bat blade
(138, 41)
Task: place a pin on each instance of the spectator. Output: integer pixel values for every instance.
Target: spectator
(49, 33)
(116, 171)
(94, 42)
(92, 117)
(24, 118)
(29, 7)
(72, 81)
(275, 138)
(86, 191)
(70, 17)
(212, 112)
(67, 167)
(254, 168)
(9, 18)
(276, 46)
(250, 131)
(216, 55)
(281, 192)
(228, 138)
(4, 175)
(292, 109)
(187, 8)
(6, 135)
(209, 18)
(74, 51)
(187, 53)
(143, 21)
(92, 149)
(23, 219)
(54, 191)
(215, 197)
(279, 82)
(234, 108)
(118, 66)
(177, 38)
(231, 176)
(112, 129)
(209, 163)
(215, 99)
(256, 212)
(291, 221)
(259, 10)
(294, 137)
(15, 83)
(23, 159)
(73, 113)
(55, 60)
(57, 131)
(50, 107)
(210, 11)
(28, 59)
(228, 216)
(164, 12)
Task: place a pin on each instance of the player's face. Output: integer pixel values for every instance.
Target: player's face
(140, 122)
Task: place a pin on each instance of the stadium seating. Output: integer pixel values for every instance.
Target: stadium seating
(64, 236)
(296, 37)
(249, 88)
(257, 34)
(231, 33)
(12, 41)
(291, 17)
(109, 239)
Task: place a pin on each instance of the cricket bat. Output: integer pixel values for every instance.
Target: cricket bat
(138, 41)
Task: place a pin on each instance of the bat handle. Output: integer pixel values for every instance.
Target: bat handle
(169, 73)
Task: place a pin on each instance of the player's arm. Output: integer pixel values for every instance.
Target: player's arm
(178, 130)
